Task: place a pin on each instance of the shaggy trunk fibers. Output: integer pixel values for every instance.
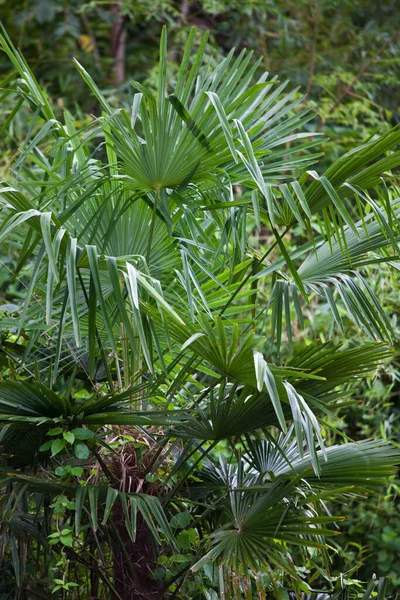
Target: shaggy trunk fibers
(133, 561)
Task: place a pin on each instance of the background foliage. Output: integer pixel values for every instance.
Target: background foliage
(344, 55)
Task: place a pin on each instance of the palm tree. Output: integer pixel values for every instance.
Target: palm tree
(162, 410)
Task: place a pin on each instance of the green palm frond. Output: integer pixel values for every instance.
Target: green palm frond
(334, 269)
(98, 500)
(21, 402)
(375, 589)
(365, 464)
(260, 497)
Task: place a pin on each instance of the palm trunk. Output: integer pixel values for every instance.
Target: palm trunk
(135, 561)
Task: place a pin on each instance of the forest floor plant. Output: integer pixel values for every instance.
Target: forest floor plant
(165, 428)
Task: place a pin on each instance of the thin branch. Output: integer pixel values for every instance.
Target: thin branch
(190, 471)
(253, 271)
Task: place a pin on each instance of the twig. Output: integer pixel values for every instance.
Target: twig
(190, 471)
(252, 272)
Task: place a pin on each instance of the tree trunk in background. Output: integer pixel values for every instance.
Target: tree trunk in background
(118, 45)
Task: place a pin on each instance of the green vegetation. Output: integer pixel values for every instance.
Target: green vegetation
(198, 380)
